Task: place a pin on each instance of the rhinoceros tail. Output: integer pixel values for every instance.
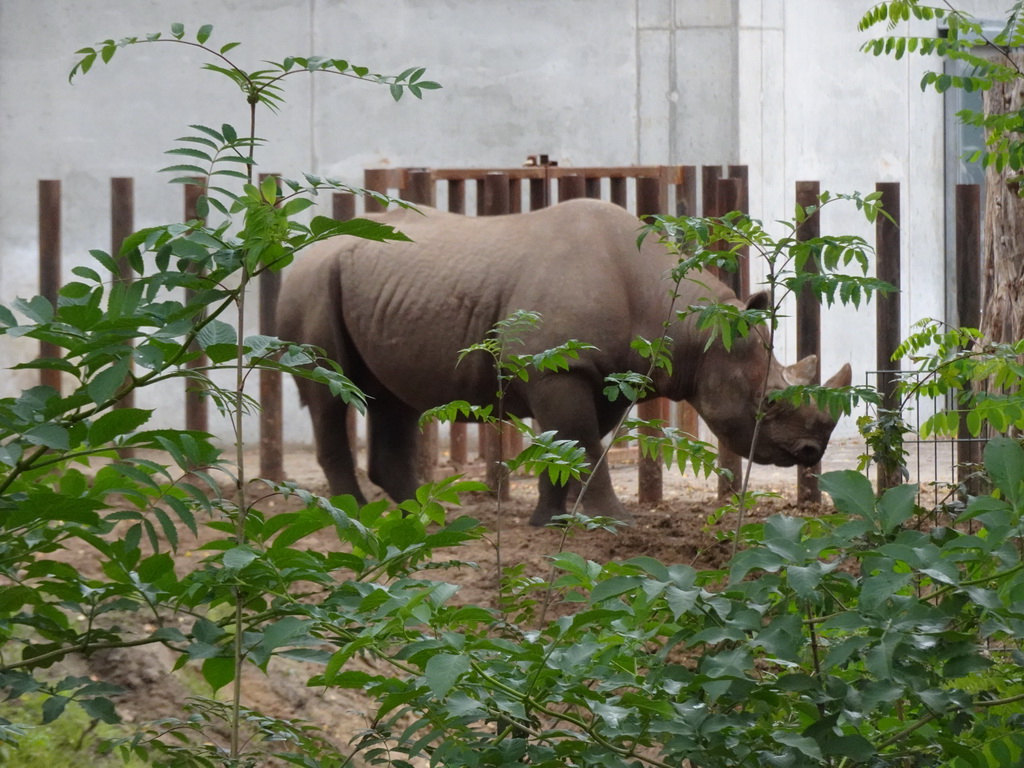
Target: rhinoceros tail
(340, 346)
(309, 312)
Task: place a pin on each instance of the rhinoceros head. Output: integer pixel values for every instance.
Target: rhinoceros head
(728, 397)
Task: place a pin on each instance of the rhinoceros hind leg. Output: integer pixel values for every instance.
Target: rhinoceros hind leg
(330, 430)
(393, 437)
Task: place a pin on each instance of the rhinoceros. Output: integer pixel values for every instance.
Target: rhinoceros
(396, 315)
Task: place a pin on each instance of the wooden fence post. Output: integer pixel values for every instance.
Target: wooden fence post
(887, 253)
(122, 224)
(714, 195)
(728, 199)
(968, 310)
(419, 189)
(196, 416)
(709, 176)
(650, 200)
(458, 442)
(122, 221)
(271, 409)
(617, 191)
(496, 446)
(686, 205)
(808, 329)
(49, 267)
(539, 193)
(376, 180)
(686, 192)
(515, 195)
(741, 175)
(343, 208)
(571, 186)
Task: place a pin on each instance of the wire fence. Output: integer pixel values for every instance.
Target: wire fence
(945, 468)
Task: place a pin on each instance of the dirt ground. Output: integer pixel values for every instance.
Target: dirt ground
(674, 531)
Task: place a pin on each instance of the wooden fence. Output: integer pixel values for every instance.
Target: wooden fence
(645, 189)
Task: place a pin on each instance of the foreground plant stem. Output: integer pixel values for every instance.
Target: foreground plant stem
(243, 507)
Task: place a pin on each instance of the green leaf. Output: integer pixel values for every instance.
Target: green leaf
(285, 631)
(268, 188)
(38, 309)
(613, 587)
(117, 422)
(204, 33)
(442, 672)
(1004, 460)
(681, 601)
(42, 504)
(879, 587)
(155, 567)
(321, 226)
(612, 714)
(105, 384)
(651, 565)
(854, 747)
(205, 631)
(841, 652)
(217, 332)
(851, 492)
(804, 744)
(755, 558)
(239, 557)
(53, 708)
(190, 152)
(218, 672)
(49, 435)
(896, 506)
(296, 205)
(101, 709)
(804, 579)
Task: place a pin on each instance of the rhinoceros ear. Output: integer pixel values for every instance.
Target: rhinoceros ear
(801, 372)
(759, 301)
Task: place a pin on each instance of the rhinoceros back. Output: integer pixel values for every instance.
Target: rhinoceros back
(410, 308)
(403, 311)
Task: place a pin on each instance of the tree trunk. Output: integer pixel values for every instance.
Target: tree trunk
(1002, 313)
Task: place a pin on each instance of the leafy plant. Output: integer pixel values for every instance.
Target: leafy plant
(125, 503)
(963, 38)
(852, 639)
(955, 365)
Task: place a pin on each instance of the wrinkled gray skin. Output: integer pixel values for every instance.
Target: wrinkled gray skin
(395, 316)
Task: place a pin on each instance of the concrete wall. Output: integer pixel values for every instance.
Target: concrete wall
(780, 86)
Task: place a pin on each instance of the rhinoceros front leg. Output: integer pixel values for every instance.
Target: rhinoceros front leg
(393, 437)
(568, 404)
